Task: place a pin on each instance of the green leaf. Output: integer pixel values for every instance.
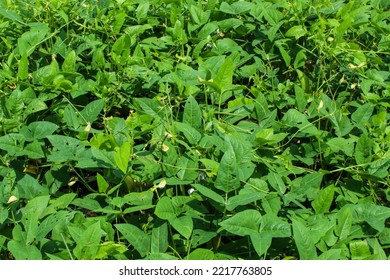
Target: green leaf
(35, 207)
(286, 57)
(302, 237)
(324, 200)
(24, 252)
(338, 144)
(331, 254)
(294, 118)
(379, 168)
(159, 238)
(164, 209)
(193, 136)
(227, 176)
(38, 130)
(188, 167)
(224, 76)
(34, 150)
(11, 15)
(136, 237)
(362, 115)
(276, 182)
(359, 249)
(69, 64)
(374, 215)
(296, 31)
(192, 114)
(23, 67)
(12, 143)
(253, 191)
(261, 242)
(344, 223)
(151, 107)
(102, 183)
(274, 226)
(29, 187)
(300, 59)
(122, 156)
(29, 40)
(200, 254)
(243, 223)
(91, 112)
(87, 246)
(363, 151)
(108, 249)
(183, 225)
(207, 192)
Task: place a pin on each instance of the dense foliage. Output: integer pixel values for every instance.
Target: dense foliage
(183, 129)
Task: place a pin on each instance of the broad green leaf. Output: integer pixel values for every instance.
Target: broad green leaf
(339, 144)
(183, 225)
(29, 40)
(139, 198)
(104, 158)
(344, 223)
(142, 10)
(207, 192)
(38, 130)
(274, 226)
(164, 209)
(300, 59)
(61, 202)
(24, 252)
(151, 107)
(36, 206)
(136, 237)
(331, 254)
(236, 8)
(296, 31)
(12, 143)
(102, 183)
(261, 242)
(91, 112)
(188, 167)
(11, 15)
(227, 176)
(87, 246)
(200, 254)
(276, 182)
(200, 236)
(294, 118)
(363, 151)
(159, 238)
(34, 150)
(379, 168)
(23, 67)
(109, 249)
(359, 249)
(122, 156)
(374, 215)
(248, 194)
(224, 76)
(192, 135)
(324, 200)
(199, 16)
(192, 113)
(302, 237)
(69, 64)
(87, 203)
(29, 187)
(243, 223)
(362, 115)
